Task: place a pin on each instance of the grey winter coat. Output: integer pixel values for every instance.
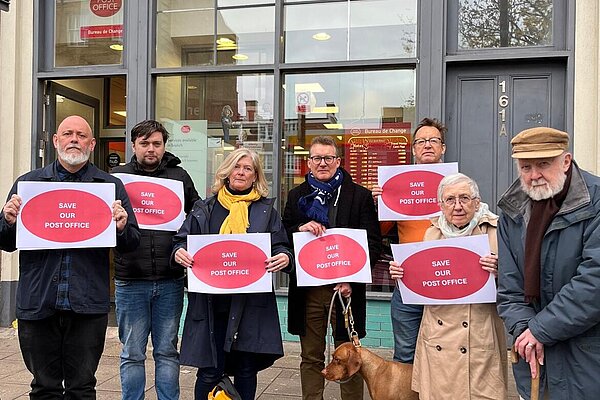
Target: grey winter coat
(567, 318)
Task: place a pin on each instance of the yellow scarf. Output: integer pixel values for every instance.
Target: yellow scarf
(237, 220)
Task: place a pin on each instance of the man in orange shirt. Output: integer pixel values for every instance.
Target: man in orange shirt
(428, 148)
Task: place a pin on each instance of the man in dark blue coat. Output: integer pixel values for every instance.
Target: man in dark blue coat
(63, 294)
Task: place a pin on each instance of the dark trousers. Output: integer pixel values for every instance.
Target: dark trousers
(312, 346)
(244, 378)
(62, 352)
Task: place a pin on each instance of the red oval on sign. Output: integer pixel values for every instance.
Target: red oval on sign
(229, 264)
(66, 215)
(332, 256)
(105, 8)
(412, 193)
(153, 204)
(444, 273)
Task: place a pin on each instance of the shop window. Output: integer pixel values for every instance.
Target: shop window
(209, 116)
(504, 23)
(188, 35)
(350, 30)
(370, 115)
(115, 108)
(88, 32)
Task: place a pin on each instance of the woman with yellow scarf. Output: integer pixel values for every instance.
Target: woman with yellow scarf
(233, 334)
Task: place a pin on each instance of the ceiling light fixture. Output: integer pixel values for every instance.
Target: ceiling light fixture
(239, 57)
(116, 46)
(225, 41)
(321, 36)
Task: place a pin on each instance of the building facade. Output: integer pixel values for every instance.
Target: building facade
(270, 75)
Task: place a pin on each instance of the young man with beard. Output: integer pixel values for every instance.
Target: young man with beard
(327, 199)
(549, 267)
(149, 290)
(63, 294)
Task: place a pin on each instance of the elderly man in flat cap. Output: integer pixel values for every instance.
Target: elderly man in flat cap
(549, 275)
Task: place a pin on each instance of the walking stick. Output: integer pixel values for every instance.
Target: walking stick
(535, 382)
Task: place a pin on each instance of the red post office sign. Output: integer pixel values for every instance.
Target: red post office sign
(340, 255)
(410, 191)
(65, 215)
(230, 263)
(445, 271)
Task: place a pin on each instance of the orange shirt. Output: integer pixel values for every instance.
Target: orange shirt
(412, 231)
(408, 231)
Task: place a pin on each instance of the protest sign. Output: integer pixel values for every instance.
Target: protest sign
(410, 191)
(65, 215)
(157, 202)
(445, 271)
(229, 263)
(339, 255)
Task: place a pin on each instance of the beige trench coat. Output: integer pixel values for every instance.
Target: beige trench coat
(461, 349)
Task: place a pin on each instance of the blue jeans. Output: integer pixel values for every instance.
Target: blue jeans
(406, 319)
(143, 308)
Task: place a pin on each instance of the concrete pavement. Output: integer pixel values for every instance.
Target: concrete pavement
(282, 381)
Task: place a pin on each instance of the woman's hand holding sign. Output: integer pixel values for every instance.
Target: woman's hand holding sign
(490, 264)
(183, 258)
(396, 271)
(277, 262)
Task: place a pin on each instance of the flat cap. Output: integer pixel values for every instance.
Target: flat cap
(539, 142)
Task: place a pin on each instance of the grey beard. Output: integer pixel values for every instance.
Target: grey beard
(74, 159)
(544, 193)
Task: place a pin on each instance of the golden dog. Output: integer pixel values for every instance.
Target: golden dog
(386, 380)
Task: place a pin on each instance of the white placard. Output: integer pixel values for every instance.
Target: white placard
(445, 271)
(230, 263)
(65, 215)
(339, 255)
(157, 202)
(410, 191)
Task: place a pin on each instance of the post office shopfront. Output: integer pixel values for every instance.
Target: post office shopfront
(271, 75)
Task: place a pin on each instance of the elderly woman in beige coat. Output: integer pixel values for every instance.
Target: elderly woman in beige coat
(461, 349)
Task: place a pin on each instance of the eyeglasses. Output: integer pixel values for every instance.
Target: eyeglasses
(434, 141)
(463, 200)
(317, 159)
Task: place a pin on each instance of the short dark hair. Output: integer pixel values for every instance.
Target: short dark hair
(146, 128)
(434, 122)
(324, 141)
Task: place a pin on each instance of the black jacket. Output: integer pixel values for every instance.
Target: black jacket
(89, 282)
(356, 210)
(253, 324)
(150, 261)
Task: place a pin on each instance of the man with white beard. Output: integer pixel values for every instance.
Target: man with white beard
(549, 268)
(63, 293)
